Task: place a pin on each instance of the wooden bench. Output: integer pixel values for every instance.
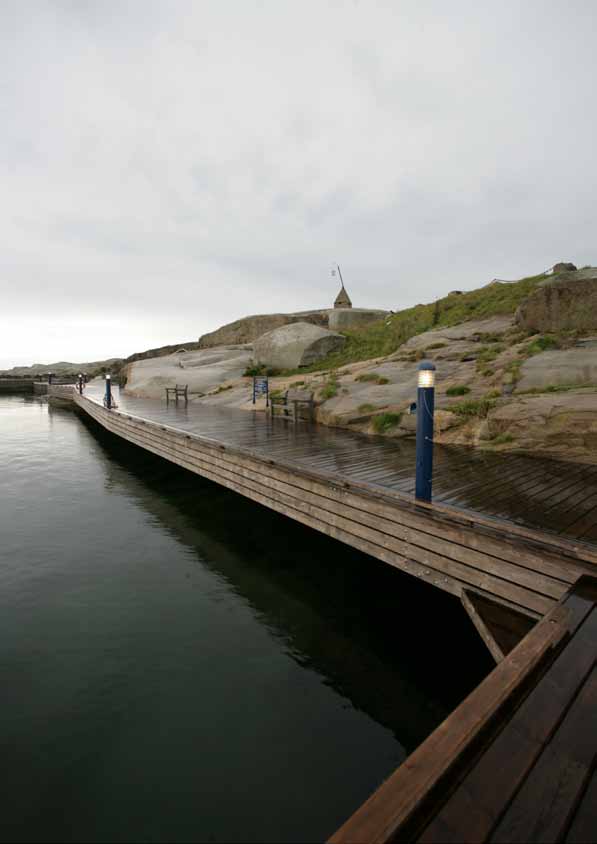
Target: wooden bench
(294, 404)
(178, 391)
(516, 761)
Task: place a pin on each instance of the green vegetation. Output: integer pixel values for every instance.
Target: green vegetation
(222, 389)
(492, 394)
(436, 346)
(374, 377)
(260, 369)
(385, 336)
(481, 407)
(542, 344)
(296, 384)
(487, 354)
(501, 439)
(458, 390)
(366, 408)
(330, 388)
(487, 373)
(385, 422)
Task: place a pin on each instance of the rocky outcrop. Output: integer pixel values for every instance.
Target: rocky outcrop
(249, 328)
(564, 302)
(299, 344)
(201, 370)
(345, 319)
(576, 366)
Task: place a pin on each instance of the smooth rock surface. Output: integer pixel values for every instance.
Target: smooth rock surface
(563, 302)
(345, 319)
(201, 370)
(298, 344)
(558, 368)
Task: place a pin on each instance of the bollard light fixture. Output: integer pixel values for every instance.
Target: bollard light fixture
(425, 410)
(426, 374)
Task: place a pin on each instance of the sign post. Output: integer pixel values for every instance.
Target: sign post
(260, 388)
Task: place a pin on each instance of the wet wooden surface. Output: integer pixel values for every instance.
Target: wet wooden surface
(516, 761)
(550, 495)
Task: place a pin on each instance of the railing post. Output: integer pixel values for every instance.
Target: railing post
(50, 376)
(425, 410)
(108, 397)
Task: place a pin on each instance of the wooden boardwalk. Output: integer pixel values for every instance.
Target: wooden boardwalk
(516, 761)
(507, 575)
(550, 495)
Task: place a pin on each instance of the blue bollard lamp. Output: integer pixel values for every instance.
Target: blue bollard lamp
(108, 397)
(425, 411)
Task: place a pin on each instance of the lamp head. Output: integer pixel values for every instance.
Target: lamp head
(426, 374)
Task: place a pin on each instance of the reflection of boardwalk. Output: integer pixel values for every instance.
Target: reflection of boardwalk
(541, 493)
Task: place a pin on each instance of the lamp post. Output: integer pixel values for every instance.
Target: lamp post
(80, 383)
(425, 409)
(108, 396)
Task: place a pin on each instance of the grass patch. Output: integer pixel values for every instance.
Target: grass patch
(372, 377)
(385, 336)
(492, 394)
(487, 354)
(481, 407)
(501, 439)
(436, 346)
(330, 388)
(222, 389)
(555, 388)
(296, 384)
(385, 422)
(366, 408)
(488, 372)
(542, 344)
(458, 390)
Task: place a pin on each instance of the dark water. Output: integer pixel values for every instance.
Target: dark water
(179, 664)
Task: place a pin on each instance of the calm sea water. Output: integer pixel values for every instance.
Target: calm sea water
(179, 664)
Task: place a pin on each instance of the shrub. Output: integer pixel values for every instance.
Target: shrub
(254, 369)
(385, 422)
(492, 394)
(487, 373)
(366, 408)
(458, 390)
(481, 407)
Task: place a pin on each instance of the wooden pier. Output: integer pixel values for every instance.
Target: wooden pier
(507, 575)
(516, 760)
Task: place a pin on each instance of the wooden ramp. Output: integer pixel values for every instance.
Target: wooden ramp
(493, 563)
(516, 761)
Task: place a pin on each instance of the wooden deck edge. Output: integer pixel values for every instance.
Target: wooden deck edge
(577, 551)
(500, 626)
(397, 800)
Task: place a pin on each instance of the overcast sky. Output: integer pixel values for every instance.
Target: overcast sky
(166, 167)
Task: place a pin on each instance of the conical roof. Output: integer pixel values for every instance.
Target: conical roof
(343, 299)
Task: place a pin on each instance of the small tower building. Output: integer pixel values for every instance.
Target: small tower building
(342, 299)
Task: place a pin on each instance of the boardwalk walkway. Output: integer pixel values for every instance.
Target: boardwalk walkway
(516, 760)
(541, 493)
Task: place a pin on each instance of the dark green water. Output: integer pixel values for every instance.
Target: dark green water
(179, 664)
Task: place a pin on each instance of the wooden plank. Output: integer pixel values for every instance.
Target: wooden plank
(423, 773)
(479, 800)
(584, 824)
(544, 807)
